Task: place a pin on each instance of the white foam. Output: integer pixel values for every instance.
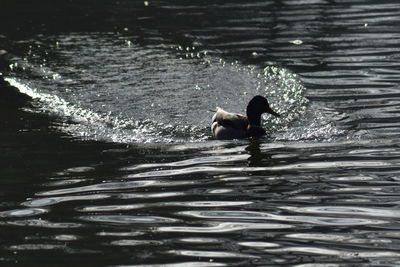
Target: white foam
(85, 123)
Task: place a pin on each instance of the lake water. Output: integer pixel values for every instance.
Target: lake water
(107, 157)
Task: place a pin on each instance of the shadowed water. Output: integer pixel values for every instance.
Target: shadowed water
(106, 155)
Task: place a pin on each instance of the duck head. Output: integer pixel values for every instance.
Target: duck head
(257, 106)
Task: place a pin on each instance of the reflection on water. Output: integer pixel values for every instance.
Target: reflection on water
(112, 163)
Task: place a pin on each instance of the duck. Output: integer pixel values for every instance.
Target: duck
(227, 125)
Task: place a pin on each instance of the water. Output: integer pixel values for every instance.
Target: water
(107, 158)
(105, 106)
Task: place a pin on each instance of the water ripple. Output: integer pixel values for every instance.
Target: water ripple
(210, 254)
(347, 210)
(241, 215)
(99, 187)
(289, 167)
(222, 227)
(181, 264)
(341, 253)
(41, 202)
(22, 212)
(45, 224)
(189, 162)
(333, 238)
(125, 219)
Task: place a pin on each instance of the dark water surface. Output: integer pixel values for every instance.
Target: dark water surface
(106, 156)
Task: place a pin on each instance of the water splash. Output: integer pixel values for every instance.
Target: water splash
(155, 93)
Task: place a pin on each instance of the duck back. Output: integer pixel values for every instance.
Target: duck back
(226, 125)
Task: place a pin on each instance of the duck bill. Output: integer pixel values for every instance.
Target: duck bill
(270, 111)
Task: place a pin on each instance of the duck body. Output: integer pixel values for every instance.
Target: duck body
(227, 125)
